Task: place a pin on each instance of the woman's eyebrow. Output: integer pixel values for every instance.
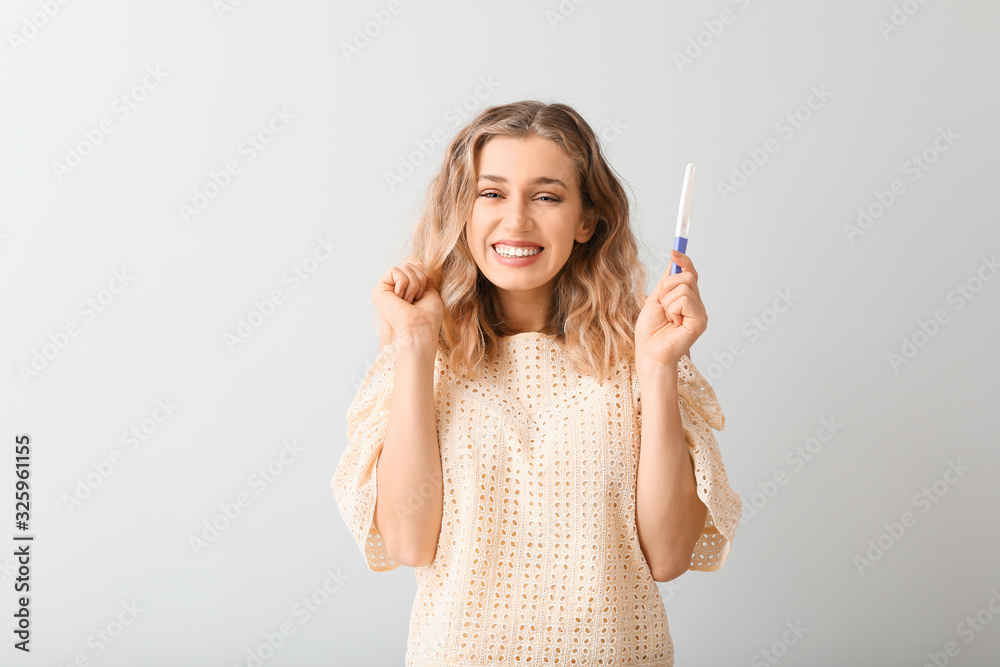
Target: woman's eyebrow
(537, 180)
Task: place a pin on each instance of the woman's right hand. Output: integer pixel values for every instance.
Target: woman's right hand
(408, 301)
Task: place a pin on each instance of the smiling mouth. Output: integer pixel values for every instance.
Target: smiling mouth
(513, 252)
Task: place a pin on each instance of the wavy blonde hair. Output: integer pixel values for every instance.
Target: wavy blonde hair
(598, 292)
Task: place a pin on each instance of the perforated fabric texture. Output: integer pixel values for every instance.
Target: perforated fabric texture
(538, 559)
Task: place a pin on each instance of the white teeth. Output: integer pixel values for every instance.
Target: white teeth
(509, 251)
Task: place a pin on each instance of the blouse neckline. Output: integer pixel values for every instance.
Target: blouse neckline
(527, 334)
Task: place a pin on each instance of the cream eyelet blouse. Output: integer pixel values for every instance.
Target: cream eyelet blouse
(538, 560)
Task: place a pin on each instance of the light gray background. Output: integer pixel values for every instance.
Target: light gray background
(356, 119)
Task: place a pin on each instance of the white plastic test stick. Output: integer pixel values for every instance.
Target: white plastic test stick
(684, 215)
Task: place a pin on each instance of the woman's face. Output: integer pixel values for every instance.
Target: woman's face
(527, 193)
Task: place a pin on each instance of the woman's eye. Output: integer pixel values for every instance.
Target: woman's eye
(495, 195)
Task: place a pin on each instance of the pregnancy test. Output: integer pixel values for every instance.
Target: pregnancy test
(684, 216)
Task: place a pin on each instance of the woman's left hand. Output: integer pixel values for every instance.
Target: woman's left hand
(672, 318)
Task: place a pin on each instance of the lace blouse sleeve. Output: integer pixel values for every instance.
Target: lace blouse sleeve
(354, 483)
(700, 415)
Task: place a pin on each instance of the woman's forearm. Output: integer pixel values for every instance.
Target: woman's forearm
(669, 515)
(409, 500)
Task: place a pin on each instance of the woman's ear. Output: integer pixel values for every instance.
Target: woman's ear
(587, 226)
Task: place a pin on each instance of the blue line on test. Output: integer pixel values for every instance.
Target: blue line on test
(680, 245)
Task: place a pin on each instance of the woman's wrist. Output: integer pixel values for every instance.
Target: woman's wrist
(419, 342)
(656, 368)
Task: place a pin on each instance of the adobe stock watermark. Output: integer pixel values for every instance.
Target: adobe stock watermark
(303, 610)
(914, 167)
(231, 510)
(968, 629)
(794, 632)
(562, 12)
(455, 115)
(33, 23)
(752, 330)
(105, 636)
(668, 590)
(246, 152)
(419, 496)
(370, 30)
(295, 276)
(88, 309)
(924, 500)
(132, 439)
(120, 109)
(610, 130)
(796, 458)
(786, 126)
(656, 258)
(390, 348)
(8, 568)
(958, 296)
(899, 16)
(385, 348)
(703, 40)
(224, 8)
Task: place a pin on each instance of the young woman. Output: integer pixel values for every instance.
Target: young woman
(533, 438)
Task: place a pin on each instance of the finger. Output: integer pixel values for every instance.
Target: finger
(424, 277)
(429, 282)
(415, 262)
(408, 280)
(683, 261)
(669, 283)
(686, 309)
(676, 310)
(418, 283)
(680, 311)
(406, 291)
(680, 292)
(402, 280)
(396, 278)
